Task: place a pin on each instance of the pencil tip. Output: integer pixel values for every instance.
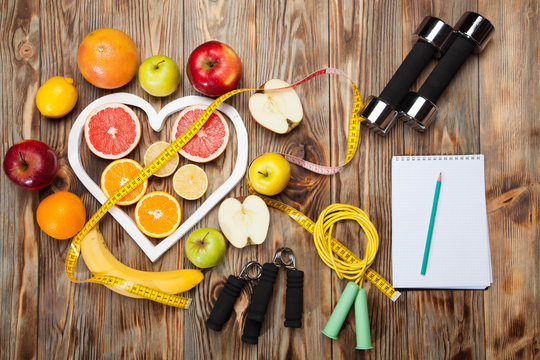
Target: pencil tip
(440, 177)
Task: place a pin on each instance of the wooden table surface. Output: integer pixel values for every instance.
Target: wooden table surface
(491, 107)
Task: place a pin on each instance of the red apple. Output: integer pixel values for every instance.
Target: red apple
(214, 69)
(31, 164)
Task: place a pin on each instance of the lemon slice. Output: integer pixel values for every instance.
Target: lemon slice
(190, 182)
(153, 151)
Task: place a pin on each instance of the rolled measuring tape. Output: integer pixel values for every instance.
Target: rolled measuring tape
(173, 148)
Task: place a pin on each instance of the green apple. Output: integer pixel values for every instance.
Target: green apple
(205, 247)
(159, 75)
(269, 174)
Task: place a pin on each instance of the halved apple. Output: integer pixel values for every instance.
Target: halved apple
(244, 223)
(277, 110)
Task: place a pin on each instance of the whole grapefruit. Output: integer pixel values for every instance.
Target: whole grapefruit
(107, 58)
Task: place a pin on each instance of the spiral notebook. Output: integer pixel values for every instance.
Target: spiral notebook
(459, 256)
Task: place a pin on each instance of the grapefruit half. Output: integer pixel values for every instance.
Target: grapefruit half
(209, 142)
(112, 131)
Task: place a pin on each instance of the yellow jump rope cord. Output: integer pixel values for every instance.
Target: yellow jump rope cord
(322, 236)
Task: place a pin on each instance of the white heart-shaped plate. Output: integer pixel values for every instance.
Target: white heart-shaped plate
(156, 120)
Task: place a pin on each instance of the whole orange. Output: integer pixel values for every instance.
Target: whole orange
(61, 215)
(107, 58)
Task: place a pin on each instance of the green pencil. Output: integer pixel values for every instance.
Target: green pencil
(431, 221)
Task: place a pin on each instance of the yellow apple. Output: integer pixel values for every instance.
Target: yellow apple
(269, 174)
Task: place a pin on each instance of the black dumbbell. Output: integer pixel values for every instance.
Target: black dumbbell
(472, 33)
(432, 36)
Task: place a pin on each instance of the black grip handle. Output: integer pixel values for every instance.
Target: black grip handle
(262, 293)
(252, 330)
(294, 303)
(406, 74)
(448, 66)
(222, 310)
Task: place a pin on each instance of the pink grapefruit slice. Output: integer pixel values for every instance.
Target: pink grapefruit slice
(209, 142)
(112, 131)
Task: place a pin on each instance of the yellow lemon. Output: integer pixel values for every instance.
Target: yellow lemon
(56, 97)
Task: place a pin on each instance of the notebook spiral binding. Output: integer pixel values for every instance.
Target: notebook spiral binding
(438, 157)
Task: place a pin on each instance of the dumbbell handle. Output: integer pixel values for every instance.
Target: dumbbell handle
(222, 310)
(262, 293)
(406, 74)
(294, 302)
(448, 66)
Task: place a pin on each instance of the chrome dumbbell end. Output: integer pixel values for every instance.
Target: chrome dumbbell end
(472, 33)
(417, 111)
(475, 27)
(378, 115)
(436, 32)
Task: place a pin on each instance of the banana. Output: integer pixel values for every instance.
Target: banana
(100, 261)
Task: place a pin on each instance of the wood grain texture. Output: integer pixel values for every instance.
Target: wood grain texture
(292, 45)
(445, 323)
(512, 178)
(72, 315)
(19, 247)
(365, 182)
(205, 21)
(490, 107)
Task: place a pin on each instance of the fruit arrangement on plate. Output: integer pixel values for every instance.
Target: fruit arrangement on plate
(108, 59)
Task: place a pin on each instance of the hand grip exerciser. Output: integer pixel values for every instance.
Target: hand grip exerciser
(284, 258)
(294, 302)
(222, 310)
(262, 293)
(256, 310)
(294, 296)
(472, 32)
(432, 38)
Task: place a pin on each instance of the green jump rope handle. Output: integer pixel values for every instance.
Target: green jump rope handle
(341, 310)
(361, 317)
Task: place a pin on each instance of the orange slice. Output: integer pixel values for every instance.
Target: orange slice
(119, 172)
(153, 151)
(190, 182)
(158, 214)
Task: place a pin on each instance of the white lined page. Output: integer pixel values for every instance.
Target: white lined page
(459, 256)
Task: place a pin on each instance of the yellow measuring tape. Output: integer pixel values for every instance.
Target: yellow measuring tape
(122, 284)
(354, 265)
(182, 302)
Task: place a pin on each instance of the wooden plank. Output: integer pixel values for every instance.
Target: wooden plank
(445, 324)
(362, 33)
(144, 327)
(293, 42)
(19, 248)
(222, 21)
(72, 315)
(509, 134)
